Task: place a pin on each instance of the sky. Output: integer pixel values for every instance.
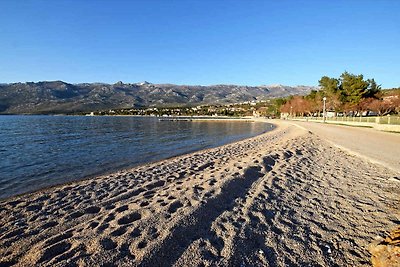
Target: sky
(204, 42)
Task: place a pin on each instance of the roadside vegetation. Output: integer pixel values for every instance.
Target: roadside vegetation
(348, 95)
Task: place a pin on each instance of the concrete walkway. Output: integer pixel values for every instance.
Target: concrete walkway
(376, 146)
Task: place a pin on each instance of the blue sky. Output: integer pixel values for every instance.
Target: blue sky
(199, 42)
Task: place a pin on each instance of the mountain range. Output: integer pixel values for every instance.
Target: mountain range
(58, 97)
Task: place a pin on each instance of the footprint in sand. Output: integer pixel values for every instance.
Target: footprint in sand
(132, 217)
(269, 162)
(33, 208)
(155, 185)
(17, 232)
(109, 217)
(58, 238)
(92, 210)
(144, 203)
(49, 224)
(94, 224)
(102, 227)
(175, 206)
(118, 232)
(107, 244)
(76, 214)
(163, 204)
(149, 194)
(122, 208)
(109, 207)
(212, 182)
(142, 244)
(55, 250)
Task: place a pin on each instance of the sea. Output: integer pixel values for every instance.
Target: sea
(42, 151)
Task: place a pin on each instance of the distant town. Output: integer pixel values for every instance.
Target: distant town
(264, 108)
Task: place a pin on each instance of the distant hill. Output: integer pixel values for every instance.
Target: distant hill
(55, 97)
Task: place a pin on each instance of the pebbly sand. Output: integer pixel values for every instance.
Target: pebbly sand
(284, 198)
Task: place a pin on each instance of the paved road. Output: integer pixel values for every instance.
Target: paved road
(376, 146)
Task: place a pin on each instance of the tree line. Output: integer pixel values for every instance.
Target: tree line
(350, 95)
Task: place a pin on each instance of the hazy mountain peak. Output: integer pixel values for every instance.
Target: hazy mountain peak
(144, 83)
(274, 85)
(62, 97)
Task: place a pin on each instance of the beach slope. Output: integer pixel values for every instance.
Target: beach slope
(284, 198)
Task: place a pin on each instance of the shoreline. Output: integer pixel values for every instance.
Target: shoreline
(111, 172)
(281, 197)
(115, 171)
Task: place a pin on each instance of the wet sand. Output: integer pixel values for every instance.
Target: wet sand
(284, 198)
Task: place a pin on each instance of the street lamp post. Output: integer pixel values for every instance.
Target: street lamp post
(324, 112)
(291, 113)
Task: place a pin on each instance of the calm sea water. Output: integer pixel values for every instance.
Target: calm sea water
(39, 151)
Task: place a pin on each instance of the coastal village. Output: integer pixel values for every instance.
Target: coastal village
(249, 108)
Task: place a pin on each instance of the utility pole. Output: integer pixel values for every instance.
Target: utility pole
(324, 112)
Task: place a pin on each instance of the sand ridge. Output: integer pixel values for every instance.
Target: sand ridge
(282, 198)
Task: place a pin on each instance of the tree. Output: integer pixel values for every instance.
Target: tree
(315, 101)
(353, 88)
(373, 90)
(350, 93)
(273, 109)
(297, 105)
(329, 86)
(365, 104)
(396, 103)
(381, 107)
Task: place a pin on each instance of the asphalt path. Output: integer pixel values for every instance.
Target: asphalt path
(376, 146)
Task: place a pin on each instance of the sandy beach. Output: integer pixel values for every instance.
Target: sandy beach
(289, 197)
